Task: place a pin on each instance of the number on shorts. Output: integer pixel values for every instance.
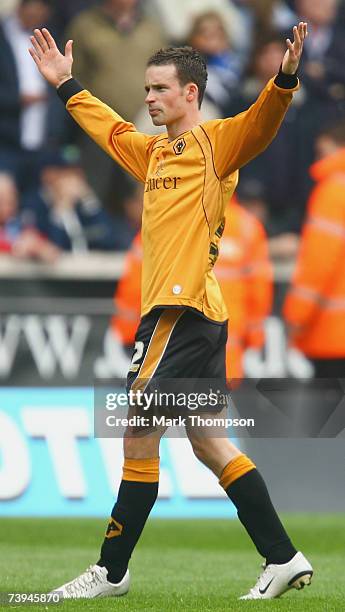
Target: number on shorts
(138, 353)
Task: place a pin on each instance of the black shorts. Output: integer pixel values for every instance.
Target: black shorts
(177, 345)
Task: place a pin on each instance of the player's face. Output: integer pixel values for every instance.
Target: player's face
(166, 98)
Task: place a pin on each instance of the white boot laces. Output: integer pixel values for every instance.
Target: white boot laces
(262, 579)
(83, 584)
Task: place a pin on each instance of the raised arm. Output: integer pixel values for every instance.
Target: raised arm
(55, 67)
(294, 50)
(116, 136)
(239, 139)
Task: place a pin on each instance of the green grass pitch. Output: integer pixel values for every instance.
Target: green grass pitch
(179, 565)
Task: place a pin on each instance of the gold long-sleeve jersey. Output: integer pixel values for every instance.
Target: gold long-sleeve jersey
(188, 182)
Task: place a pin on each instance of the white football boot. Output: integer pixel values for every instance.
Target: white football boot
(277, 579)
(93, 583)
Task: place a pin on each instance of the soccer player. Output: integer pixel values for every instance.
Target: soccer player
(189, 172)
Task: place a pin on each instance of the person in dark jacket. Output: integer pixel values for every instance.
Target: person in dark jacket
(67, 211)
(276, 168)
(24, 96)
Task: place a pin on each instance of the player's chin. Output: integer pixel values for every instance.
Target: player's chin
(157, 120)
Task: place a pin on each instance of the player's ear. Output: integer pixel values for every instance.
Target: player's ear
(192, 92)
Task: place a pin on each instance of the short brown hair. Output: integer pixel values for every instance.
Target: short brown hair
(189, 63)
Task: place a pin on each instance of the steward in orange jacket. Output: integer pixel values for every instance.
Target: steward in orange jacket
(127, 296)
(245, 275)
(314, 308)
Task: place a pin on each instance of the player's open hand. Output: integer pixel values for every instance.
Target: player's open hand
(53, 65)
(294, 49)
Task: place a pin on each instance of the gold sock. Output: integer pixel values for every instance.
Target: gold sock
(141, 470)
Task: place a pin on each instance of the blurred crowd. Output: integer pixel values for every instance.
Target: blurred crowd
(59, 191)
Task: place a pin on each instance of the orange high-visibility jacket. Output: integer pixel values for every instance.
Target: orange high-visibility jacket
(128, 295)
(245, 275)
(314, 308)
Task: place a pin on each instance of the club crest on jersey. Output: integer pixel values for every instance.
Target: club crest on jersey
(179, 146)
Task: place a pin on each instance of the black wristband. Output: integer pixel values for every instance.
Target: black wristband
(286, 81)
(68, 89)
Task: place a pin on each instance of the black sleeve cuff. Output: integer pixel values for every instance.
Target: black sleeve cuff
(68, 89)
(286, 81)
